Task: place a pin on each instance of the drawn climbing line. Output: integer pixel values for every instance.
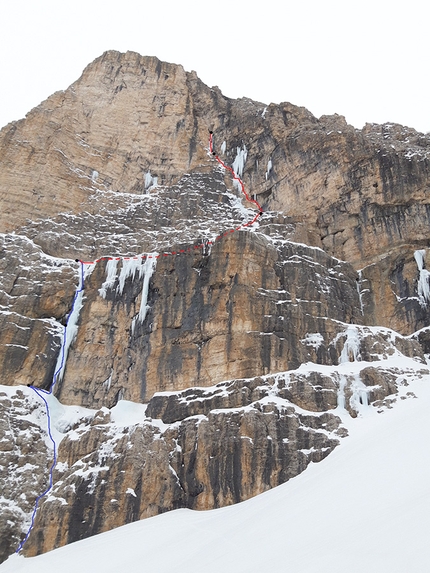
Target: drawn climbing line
(40, 392)
(205, 243)
(236, 178)
(80, 289)
(51, 471)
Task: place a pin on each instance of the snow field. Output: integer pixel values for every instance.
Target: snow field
(364, 508)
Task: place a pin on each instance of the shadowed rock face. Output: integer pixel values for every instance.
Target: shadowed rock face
(118, 165)
(131, 122)
(201, 463)
(212, 317)
(25, 460)
(204, 448)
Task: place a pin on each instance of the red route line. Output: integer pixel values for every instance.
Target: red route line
(202, 245)
(81, 287)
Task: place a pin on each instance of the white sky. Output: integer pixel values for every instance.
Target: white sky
(367, 61)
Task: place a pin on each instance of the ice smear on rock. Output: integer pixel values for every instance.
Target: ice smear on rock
(239, 162)
(423, 281)
(129, 269)
(71, 329)
(351, 349)
(314, 339)
(147, 271)
(269, 168)
(111, 268)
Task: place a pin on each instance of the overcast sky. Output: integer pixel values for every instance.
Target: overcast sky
(368, 60)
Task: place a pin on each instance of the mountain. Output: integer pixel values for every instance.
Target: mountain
(365, 508)
(171, 259)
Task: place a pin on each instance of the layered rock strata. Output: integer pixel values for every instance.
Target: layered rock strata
(26, 456)
(225, 314)
(132, 122)
(177, 294)
(208, 447)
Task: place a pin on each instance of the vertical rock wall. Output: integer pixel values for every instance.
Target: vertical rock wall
(119, 166)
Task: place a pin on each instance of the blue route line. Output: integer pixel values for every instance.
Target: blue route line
(51, 471)
(40, 392)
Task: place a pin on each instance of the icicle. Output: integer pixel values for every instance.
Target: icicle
(111, 269)
(239, 162)
(71, 329)
(423, 281)
(148, 269)
(107, 383)
(145, 272)
(148, 180)
(129, 269)
(360, 394)
(223, 147)
(360, 294)
(269, 168)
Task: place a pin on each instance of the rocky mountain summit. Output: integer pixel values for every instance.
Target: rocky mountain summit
(161, 347)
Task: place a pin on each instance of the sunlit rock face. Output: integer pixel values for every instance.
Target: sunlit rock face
(195, 358)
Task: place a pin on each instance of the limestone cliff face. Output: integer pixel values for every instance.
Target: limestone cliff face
(126, 115)
(132, 121)
(131, 273)
(35, 295)
(225, 314)
(204, 448)
(25, 461)
(109, 475)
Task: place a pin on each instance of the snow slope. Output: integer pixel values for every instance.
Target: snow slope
(365, 508)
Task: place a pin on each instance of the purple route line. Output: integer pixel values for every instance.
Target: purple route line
(51, 471)
(40, 391)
